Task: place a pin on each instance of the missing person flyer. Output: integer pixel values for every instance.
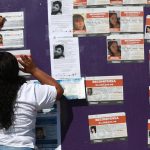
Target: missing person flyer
(104, 89)
(137, 2)
(107, 127)
(90, 21)
(60, 18)
(125, 48)
(147, 27)
(11, 39)
(86, 3)
(11, 20)
(126, 19)
(65, 60)
(17, 54)
(73, 88)
(149, 133)
(48, 135)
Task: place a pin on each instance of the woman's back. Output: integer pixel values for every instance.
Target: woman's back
(31, 97)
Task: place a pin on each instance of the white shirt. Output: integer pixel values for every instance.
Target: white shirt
(31, 97)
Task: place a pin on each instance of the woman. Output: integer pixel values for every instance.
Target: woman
(78, 23)
(114, 49)
(20, 101)
(114, 20)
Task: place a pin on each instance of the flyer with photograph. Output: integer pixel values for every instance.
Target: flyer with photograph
(137, 2)
(126, 19)
(65, 61)
(125, 48)
(86, 3)
(11, 39)
(73, 88)
(90, 21)
(17, 54)
(47, 131)
(104, 89)
(60, 20)
(147, 27)
(11, 20)
(148, 133)
(108, 127)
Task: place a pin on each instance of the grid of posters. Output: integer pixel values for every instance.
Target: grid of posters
(104, 89)
(17, 54)
(48, 135)
(11, 30)
(107, 127)
(125, 48)
(123, 26)
(73, 88)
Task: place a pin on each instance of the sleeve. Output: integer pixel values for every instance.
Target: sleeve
(45, 96)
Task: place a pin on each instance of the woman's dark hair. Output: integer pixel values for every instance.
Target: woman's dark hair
(59, 3)
(78, 17)
(148, 27)
(109, 45)
(93, 128)
(118, 20)
(3, 20)
(10, 83)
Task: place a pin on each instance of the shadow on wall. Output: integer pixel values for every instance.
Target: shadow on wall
(67, 114)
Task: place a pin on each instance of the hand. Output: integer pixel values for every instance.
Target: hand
(27, 63)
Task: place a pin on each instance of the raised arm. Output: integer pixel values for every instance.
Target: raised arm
(41, 76)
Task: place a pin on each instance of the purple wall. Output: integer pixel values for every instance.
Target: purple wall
(93, 63)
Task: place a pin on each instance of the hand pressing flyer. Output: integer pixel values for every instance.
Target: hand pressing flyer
(17, 54)
(90, 21)
(107, 127)
(125, 48)
(11, 39)
(126, 19)
(11, 20)
(104, 89)
(73, 88)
